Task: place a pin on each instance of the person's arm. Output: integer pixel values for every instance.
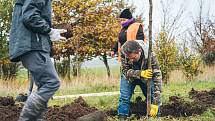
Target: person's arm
(115, 48)
(32, 18)
(157, 78)
(127, 69)
(140, 33)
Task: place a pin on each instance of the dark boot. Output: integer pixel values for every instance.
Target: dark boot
(42, 116)
(33, 108)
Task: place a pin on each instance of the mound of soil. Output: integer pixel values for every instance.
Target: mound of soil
(177, 106)
(138, 108)
(203, 100)
(69, 112)
(8, 110)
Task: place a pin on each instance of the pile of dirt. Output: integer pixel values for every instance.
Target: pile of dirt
(204, 98)
(9, 111)
(137, 108)
(69, 112)
(177, 107)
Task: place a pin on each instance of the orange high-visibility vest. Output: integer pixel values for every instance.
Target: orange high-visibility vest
(131, 35)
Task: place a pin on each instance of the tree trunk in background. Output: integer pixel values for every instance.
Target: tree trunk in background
(165, 78)
(76, 67)
(9, 70)
(69, 68)
(104, 59)
(62, 67)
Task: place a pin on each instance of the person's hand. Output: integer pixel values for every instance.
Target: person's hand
(55, 34)
(111, 53)
(146, 73)
(154, 110)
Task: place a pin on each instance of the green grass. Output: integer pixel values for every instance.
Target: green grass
(99, 71)
(103, 103)
(182, 89)
(87, 89)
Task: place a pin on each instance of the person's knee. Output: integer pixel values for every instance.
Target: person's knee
(125, 99)
(53, 85)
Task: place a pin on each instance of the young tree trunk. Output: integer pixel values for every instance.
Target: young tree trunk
(104, 59)
(149, 58)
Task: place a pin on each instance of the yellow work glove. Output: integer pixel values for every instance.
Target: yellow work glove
(154, 110)
(146, 73)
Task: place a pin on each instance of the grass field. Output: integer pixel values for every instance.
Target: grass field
(95, 80)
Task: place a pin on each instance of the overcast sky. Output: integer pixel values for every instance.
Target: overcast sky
(191, 8)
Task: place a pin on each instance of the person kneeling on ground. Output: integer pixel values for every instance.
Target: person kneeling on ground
(134, 55)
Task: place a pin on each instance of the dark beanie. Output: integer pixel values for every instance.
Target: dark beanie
(126, 13)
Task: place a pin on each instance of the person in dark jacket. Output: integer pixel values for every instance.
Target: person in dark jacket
(30, 41)
(131, 30)
(134, 56)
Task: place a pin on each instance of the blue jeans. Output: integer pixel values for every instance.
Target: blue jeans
(126, 91)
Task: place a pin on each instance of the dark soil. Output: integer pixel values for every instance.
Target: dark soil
(202, 100)
(8, 110)
(69, 112)
(176, 107)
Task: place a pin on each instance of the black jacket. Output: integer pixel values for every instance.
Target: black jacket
(122, 38)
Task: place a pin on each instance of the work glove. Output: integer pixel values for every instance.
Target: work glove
(146, 73)
(154, 110)
(55, 34)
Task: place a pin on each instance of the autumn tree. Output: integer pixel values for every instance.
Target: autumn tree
(7, 69)
(92, 25)
(203, 34)
(167, 54)
(166, 42)
(190, 62)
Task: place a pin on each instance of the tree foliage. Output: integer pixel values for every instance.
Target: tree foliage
(7, 69)
(190, 64)
(92, 27)
(5, 22)
(167, 54)
(203, 35)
